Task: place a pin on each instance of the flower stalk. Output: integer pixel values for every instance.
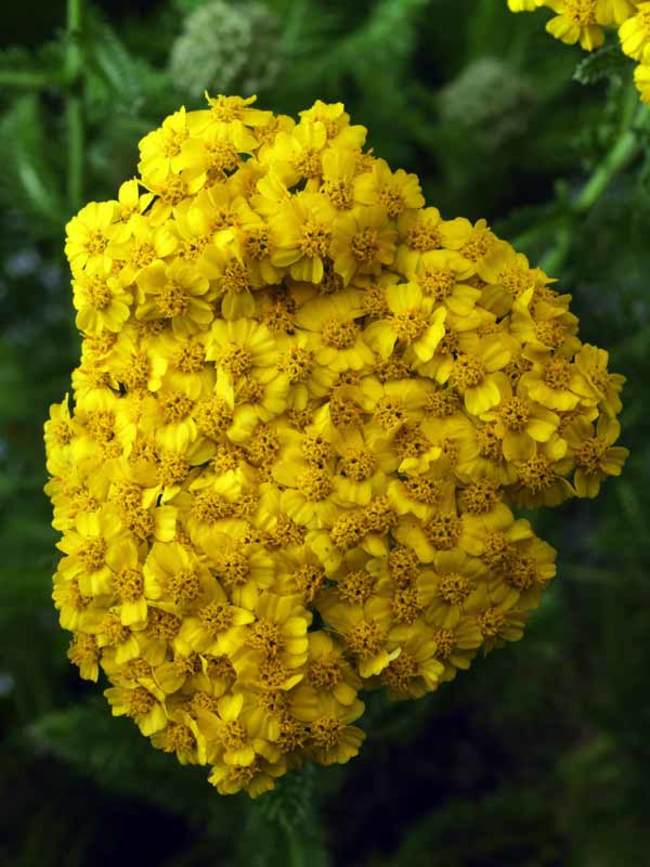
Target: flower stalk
(74, 113)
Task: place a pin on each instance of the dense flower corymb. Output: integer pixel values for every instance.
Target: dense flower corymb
(587, 21)
(305, 408)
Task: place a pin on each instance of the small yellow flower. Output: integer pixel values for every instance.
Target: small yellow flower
(576, 21)
(635, 32)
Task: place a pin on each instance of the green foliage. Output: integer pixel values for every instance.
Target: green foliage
(538, 756)
(606, 63)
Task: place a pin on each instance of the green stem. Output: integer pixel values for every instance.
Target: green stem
(625, 148)
(27, 78)
(295, 854)
(74, 111)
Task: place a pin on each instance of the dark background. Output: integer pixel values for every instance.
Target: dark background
(537, 757)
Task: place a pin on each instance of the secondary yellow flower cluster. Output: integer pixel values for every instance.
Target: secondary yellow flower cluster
(304, 407)
(585, 21)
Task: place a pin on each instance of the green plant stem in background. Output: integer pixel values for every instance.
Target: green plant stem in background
(74, 112)
(626, 146)
(27, 78)
(295, 854)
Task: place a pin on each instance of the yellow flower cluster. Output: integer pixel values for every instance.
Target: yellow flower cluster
(304, 408)
(585, 21)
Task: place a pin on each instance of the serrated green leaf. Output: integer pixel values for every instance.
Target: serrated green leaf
(29, 181)
(607, 62)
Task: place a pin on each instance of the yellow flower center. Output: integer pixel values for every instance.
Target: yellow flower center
(445, 642)
(537, 474)
(83, 649)
(489, 443)
(364, 639)
(315, 239)
(437, 282)
(95, 243)
(454, 588)
(142, 254)
(172, 301)
(403, 565)
(557, 374)
(209, 507)
(480, 497)
(410, 442)
(357, 464)
(220, 668)
(308, 164)
(163, 624)
(233, 566)
(343, 410)
(391, 199)
(213, 417)
(515, 413)
(590, 454)
(410, 325)
(264, 635)
(128, 584)
(60, 430)
(581, 12)
(233, 735)
(389, 412)
(93, 554)
(468, 372)
(365, 245)
(339, 193)
(400, 672)
(340, 333)
(309, 580)
(234, 278)
(264, 447)
(237, 360)
(520, 573)
(424, 237)
(496, 549)
(173, 142)
(297, 364)
(98, 292)
(443, 531)
(326, 732)
(405, 605)
(423, 490)
(216, 617)
(315, 484)
(174, 407)
(178, 738)
(221, 158)
(183, 586)
(190, 358)
(191, 250)
(551, 333)
(256, 243)
(173, 191)
(326, 672)
(492, 622)
(140, 702)
(355, 587)
(100, 424)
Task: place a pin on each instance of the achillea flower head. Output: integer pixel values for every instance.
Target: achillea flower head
(226, 46)
(303, 393)
(587, 21)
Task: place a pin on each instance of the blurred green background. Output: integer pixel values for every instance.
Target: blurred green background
(539, 756)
